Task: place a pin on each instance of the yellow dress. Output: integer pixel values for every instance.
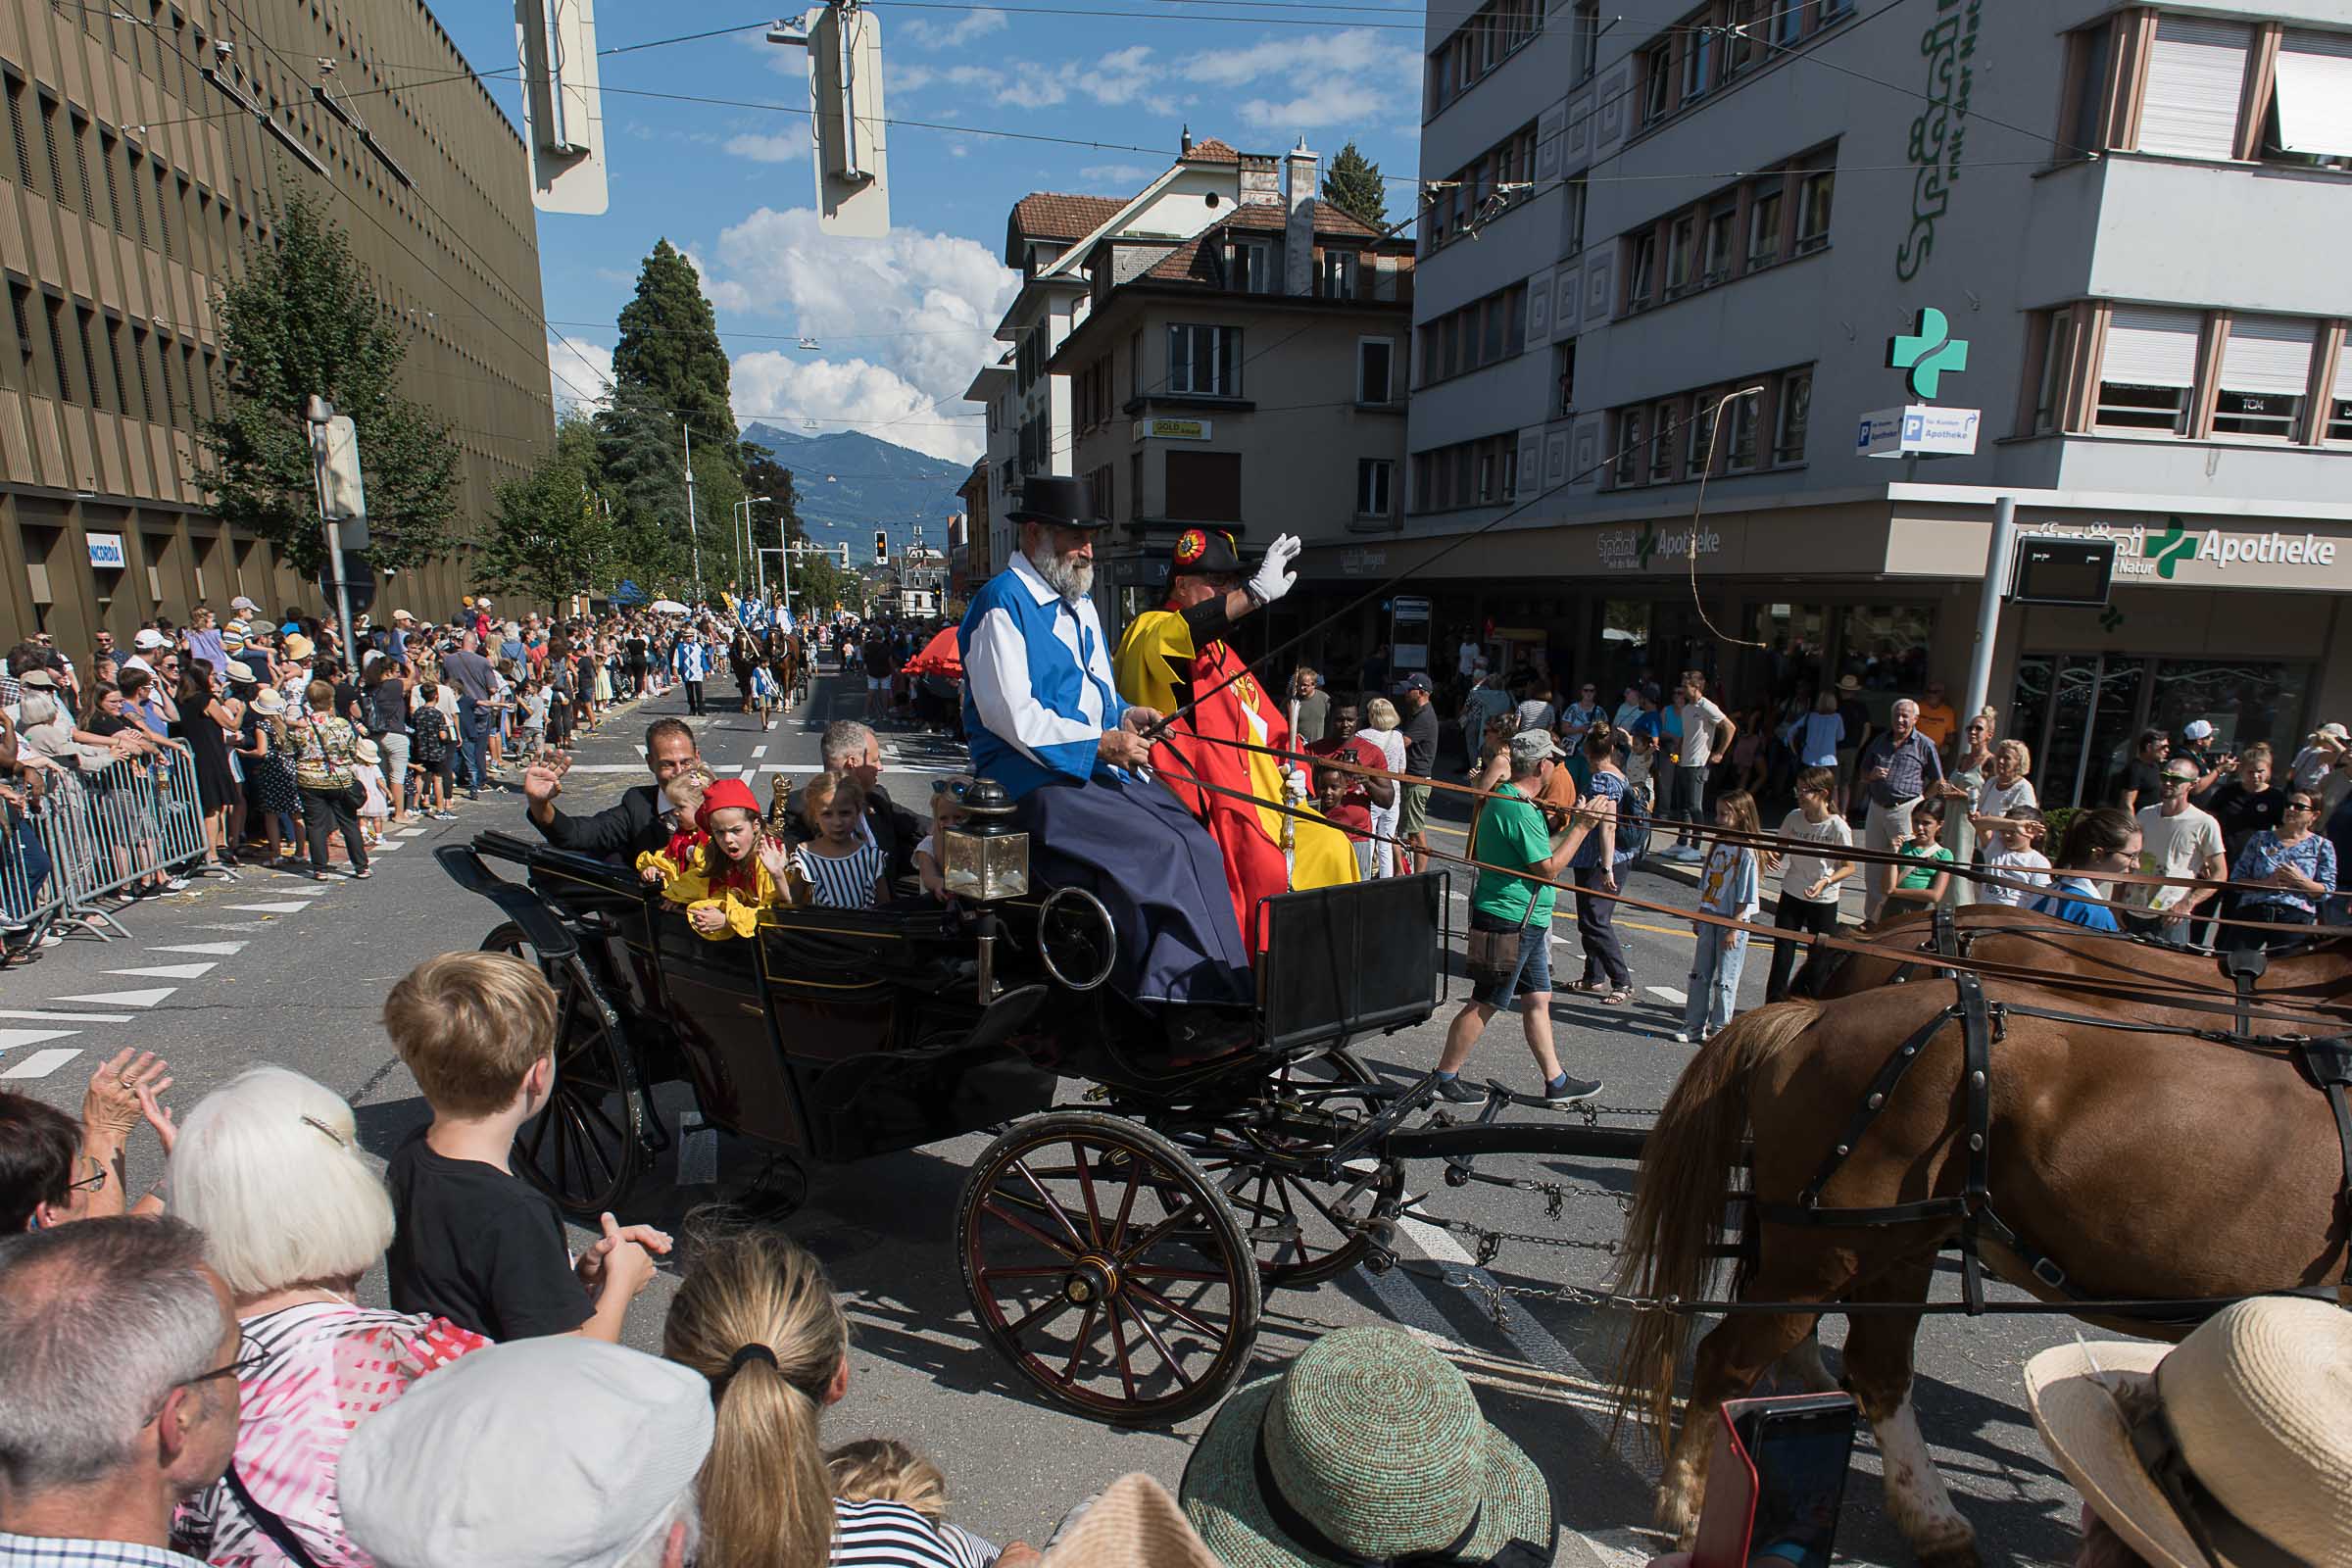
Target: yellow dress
(691, 887)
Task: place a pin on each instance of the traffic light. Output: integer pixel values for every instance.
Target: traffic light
(881, 548)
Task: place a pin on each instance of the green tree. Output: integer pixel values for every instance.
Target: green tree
(548, 536)
(642, 478)
(302, 321)
(1353, 185)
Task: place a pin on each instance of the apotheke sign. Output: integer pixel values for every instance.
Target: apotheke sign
(1635, 549)
(2212, 555)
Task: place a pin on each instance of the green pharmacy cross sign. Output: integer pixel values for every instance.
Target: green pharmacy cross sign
(1928, 352)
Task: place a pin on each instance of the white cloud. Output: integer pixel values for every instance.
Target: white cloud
(1331, 78)
(926, 34)
(578, 372)
(787, 146)
(911, 312)
(1121, 180)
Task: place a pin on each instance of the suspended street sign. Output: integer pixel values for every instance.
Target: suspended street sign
(850, 141)
(563, 108)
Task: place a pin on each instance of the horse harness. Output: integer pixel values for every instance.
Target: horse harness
(1984, 1024)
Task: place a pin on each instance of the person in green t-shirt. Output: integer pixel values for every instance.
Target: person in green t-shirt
(1926, 874)
(1514, 896)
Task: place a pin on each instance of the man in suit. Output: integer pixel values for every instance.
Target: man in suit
(851, 748)
(622, 832)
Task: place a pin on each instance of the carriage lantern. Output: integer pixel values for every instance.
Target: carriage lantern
(986, 857)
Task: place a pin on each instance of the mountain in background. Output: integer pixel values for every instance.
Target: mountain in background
(849, 483)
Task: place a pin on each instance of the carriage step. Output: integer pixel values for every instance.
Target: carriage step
(1268, 1235)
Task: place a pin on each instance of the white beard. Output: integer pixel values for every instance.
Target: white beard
(1073, 580)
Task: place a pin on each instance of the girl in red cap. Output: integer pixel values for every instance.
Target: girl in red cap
(726, 881)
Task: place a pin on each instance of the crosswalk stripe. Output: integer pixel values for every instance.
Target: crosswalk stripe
(232, 926)
(38, 1016)
(217, 950)
(386, 848)
(122, 998)
(288, 907)
(171, 972)
(11, 1039)
(759, 751)
(1667, 994)
(41, 1064)
(408, 832)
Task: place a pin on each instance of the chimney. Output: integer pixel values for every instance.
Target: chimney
(1185, 148)
(1298, 228)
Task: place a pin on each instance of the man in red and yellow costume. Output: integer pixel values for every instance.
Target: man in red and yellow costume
(1173, 656)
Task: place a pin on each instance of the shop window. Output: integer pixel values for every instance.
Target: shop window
(2266, 370)
(2147, 369)
(1885, 647)
(1793, 414)
(2196, 75)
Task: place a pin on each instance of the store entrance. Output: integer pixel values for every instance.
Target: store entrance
(2081, 713)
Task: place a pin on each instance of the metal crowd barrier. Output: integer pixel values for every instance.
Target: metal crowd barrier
(101, 831)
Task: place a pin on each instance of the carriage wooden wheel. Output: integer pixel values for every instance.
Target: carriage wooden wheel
(1108, 1267)
(587, 1147)
(1303, 1232)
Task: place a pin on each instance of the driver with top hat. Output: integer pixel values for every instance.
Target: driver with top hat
(1174, 658)
(1047, 724)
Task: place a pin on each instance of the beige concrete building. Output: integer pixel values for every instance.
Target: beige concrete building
(144, 141)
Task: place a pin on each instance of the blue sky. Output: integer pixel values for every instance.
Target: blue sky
(904, 320)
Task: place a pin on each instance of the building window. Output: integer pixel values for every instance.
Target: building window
(1205, 361)
(1340, 274)
(2196, 75)
(1698, 433)
(1743, 42)
(1375, 368)
(1575, 191)
(1741, 454)
(1788, 20)
(1656, 66)
(1663, 420)
(1639, 266)
(1478, 335)
(57, 167)
(2308, 121)
(2265, 371)
(1794, 411)
(2049, 392)
(1510, 467)
(1253, 268)
(2090, 52)
(79, 130)
(1681, 243)
(1698, 56)
(1563, 371)
(2148, 369)
(1764, 227)
(1813, 193)
(1629, 446)
(1204, 486)
(1587, 39)
(1374, 478)
(1722, 224)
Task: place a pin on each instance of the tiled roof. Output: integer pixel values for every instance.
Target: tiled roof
(1209, 150)
(1185, 263)
(1328, 220)
(1050, 215)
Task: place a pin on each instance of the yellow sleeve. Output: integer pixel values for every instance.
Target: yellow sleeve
(657, 860)
(1154, 648)
(688, 884)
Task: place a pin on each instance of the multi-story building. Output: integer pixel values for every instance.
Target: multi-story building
(145, 145)
(1661, 272)
(1224, 347)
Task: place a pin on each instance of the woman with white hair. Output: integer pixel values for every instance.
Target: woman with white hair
(268, 1168)
(1381, 730)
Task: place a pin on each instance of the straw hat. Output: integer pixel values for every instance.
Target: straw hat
(269, 703)
(239, 670)
(298, 647)
(2260, 1400)
(1134, 1524)
(365, 750)
(1369, 1445)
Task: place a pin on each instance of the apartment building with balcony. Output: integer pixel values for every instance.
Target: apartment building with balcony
(1661, 263)
(142, 147)
(1224, 350)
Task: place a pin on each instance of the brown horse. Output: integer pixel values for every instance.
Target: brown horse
(2146, 1165)
(2004, 938)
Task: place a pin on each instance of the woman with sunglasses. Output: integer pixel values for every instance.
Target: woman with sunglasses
(2281, 875)
(54, 1172)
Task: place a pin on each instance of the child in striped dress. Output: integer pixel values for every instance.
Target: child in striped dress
(841, 868)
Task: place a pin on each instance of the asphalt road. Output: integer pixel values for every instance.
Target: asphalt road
(277, 969)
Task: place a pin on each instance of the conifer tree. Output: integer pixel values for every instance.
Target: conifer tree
(1353, 185)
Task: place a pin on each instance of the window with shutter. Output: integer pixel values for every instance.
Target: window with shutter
(2196, 75)
(2311, 115)
(2266, 372)
(2148, 368)
(2339, 398)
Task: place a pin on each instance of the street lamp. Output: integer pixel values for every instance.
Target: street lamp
(744, 539)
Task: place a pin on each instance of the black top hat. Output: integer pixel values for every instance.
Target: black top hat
(1059, 498)
(1206, 553)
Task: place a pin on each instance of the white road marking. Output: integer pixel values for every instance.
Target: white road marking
(408, 832)
(288, 907)
(233, 925)
(38, 1016)
(41, 1064)
(386, 846)
(11, 1039)
(759, 751)
(171, 972)
(1667, 994)
(122, 998)
(217, 950)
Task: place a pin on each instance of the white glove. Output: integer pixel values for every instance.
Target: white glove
(1274, 576)
(1293, 784)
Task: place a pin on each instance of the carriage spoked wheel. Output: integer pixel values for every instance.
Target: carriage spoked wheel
(587, 1147)
(1106, 1267)
(1302, 1231)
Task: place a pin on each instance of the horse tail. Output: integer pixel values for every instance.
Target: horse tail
(1678, 1213)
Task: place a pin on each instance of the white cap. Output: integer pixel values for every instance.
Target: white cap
(2198, 729)
(147, 640)
(557, 1452)
(242, 603)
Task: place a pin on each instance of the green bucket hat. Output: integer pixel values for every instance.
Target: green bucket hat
(1367, 1450)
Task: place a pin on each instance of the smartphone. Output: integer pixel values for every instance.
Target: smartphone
(1777, 1482)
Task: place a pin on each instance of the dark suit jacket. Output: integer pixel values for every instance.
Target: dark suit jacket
(896, 829)
(617, 833)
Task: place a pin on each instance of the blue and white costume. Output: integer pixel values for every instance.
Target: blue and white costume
(1038, 696)
(693, 659)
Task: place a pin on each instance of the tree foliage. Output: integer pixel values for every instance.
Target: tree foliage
(548, 536)
(672, 365)
(1353, 185)
(301, 322)
(641, 477)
